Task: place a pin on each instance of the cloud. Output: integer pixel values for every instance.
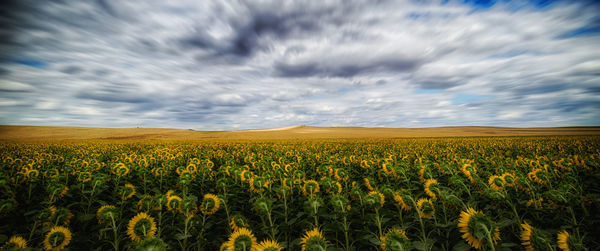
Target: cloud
(217, 65)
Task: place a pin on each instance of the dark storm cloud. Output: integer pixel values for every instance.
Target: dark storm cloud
(344, 68)
(437, 83)
(73, 69)
(271, 20)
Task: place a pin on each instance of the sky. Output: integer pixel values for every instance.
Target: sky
(230, 65)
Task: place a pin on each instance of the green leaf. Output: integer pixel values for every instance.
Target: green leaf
(461, 246)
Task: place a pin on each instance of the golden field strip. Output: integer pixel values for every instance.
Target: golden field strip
(298, 132)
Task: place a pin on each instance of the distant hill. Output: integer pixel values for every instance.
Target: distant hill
(295, 132)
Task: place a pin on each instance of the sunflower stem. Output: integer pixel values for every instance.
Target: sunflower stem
(489, 237)
(378, 220)
(346, 233)
(114, 227)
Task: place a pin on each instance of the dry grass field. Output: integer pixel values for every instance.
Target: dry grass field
(297, 132)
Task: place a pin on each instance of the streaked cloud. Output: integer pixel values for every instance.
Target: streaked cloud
(263, 64)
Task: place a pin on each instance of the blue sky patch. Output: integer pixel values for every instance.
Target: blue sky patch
(465, 98)
(31, 62)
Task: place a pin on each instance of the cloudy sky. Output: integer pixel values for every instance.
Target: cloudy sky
(222, 65)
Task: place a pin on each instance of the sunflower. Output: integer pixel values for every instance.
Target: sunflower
(535, 202)
(169, 193)
(173, 202)
(496, 182)
(532, 238)
(106, 214)
(141, 226)
(340, 174)
(340, 203)
(210, 204)
(509, 179)
(257, 184)
(375, 199)
(474, 223)
(60, 216)
(468, 170)
(63, 192)
(425, 208)
(241, 240)
(538, 175)
(245, 175)
(269, 245)
(399, 198)
(368, 184)
(563, 240)
(428, 191)
(14, 243)
(310, 188)
(223, 246)
(32, 173)
(120, 169)
(84, 176)
(526, 236)
(313, 240)
(338, 187)
(395, 239)
(57, 239)
(128, 191)
(238, 221)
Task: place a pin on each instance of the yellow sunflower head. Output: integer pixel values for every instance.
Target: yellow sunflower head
(128, 191)
(428, 185)
(313, 240)
(399, 197)
(224, 246)
(395, 239)
(238, 221)
(375, 200)
(269, 245)
(310, 188)
(106, 214)
(474, 225)
(538, 175)
(57, 239)
(496, 182)
(368, 184)
(509, 179)
(59, 216)
(425, 208)
(210, 204)
(568, 242)
(563, 240)
(341, 174)
(245, 175)
(121, 169)
(533, 239)
(258, 184)
(84, 176)
(15, 243)
(173, 202)
(141, 226)
(241, 240)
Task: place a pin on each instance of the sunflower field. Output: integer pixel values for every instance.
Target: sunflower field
(485, 193)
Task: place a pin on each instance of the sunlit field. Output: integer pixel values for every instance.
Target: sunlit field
(489, 193)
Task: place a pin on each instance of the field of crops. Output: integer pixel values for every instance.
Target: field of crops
(497, 193)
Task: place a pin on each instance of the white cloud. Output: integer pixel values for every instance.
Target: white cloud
(223, 65)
